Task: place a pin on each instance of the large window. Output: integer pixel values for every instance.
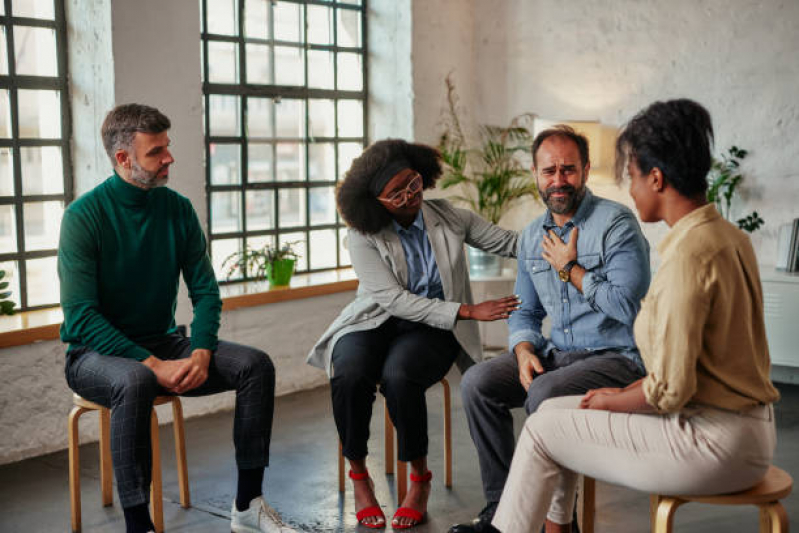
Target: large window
(35, 170)
(285, 115)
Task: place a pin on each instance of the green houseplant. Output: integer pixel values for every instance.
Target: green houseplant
(723, 180)
(6, 305)
(491, 172)
(275, 264)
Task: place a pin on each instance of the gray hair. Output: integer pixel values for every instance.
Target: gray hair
(123, 123)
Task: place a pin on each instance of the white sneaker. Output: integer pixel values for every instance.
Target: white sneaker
(258, 518)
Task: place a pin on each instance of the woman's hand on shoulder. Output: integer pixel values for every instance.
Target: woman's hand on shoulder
(490, 310)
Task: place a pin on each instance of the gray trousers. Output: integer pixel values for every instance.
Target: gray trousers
(492, 388)
(129, 388)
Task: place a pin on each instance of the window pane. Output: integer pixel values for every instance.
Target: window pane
(349, 28)
(322, 204)
(223, 62)
(321, 118)
(221, 249)
(260, 210)
(3, 53)
(35, 51)
(288, 21)
(320, 69)
(10, 268)
(225, 164)
(350, 72)
(225, 212)
(8, 230)
(289, 66)
(323, 249)
(320, 25)
(290, 162)
(321, 162)
(299, 245)
(259, 64)
(6, 172)
(39, 113)
(42, 170)
(43, 286)
(259, 163)
(292, 207)
(350, 118)
(259, 117)
(344, 253)
(347, 152)
(256, 18)
(42, 222)
(37, 9)
(256, 243)
(290, 118)
(224, 115)
(221, 17)
(5, 115)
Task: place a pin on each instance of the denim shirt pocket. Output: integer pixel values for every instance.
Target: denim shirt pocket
(590, 261)
(541, 276)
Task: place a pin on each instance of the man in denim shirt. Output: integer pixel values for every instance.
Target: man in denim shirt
(585, 265)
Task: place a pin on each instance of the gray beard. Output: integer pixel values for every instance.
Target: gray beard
(566, 205)
(145, 178)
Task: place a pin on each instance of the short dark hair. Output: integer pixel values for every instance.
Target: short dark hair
(123, 123)
(565, 132)
(675, 136)
(357, 204)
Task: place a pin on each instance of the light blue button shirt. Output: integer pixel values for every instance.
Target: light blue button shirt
(615, 255)
(423, 276)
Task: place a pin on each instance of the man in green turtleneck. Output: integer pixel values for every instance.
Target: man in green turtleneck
(123, 247)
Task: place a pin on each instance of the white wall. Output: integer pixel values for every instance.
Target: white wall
(606, 60)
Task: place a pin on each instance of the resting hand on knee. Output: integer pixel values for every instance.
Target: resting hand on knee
(169, 373)
(529, 364)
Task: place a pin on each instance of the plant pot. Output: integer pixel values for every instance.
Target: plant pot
(483, 264)
(279, 272)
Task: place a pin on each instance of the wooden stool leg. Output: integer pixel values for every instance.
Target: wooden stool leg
(447, 434)
(777, 517)
(664, 518)
(402, 480)
(156, 495)
(654, 501)
(106, 469)
(340, 468)
(388, 437)
(180, 452)
(765, 520)
(588, 504)
(74, 466)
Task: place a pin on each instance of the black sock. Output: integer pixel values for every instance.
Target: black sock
(250, 486)
(137, 519)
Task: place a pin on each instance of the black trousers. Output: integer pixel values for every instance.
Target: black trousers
(405, 359)
(129, 388)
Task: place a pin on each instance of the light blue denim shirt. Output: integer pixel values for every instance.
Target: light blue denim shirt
(423, 276)
(614, 253)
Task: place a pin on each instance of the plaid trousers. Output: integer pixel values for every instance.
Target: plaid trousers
(129, 388)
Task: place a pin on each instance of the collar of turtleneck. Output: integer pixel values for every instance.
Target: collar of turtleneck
(127, 194)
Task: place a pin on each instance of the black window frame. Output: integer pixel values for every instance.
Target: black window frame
(276, 92)
(13, 83)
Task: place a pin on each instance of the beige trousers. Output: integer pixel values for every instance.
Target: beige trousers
(700, 450)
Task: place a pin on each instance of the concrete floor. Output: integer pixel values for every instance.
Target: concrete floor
(301, 483)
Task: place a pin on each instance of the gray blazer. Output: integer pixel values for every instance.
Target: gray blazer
(379, 262)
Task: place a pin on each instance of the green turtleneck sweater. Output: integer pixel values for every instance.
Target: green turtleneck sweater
(120, 257)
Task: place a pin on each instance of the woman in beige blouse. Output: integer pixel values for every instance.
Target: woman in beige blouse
(701, 421)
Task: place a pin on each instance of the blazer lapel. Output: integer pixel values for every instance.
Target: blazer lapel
(394, 247)
(436, 230)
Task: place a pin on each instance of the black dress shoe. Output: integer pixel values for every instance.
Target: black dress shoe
(481, 524)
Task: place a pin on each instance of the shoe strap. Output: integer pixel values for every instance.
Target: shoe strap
(424, 478)
(359, 477)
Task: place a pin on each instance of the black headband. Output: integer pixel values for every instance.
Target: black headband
(384, 175)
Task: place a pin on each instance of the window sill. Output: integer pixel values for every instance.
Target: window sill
(32, 326)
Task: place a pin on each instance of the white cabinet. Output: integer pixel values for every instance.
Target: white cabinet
(781, 313)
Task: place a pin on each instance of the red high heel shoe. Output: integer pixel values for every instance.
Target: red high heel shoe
(407, 512)
(368, 512)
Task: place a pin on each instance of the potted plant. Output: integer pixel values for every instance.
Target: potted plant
(6, 305)
(491, 172)
(724, 178)
(275, 264)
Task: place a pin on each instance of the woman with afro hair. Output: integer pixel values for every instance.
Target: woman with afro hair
(412, 316)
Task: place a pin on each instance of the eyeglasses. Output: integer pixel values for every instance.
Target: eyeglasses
(400, 198)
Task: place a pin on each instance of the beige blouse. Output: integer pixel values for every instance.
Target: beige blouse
(700, 329)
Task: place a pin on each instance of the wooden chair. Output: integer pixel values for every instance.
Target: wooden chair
(402, 467)
(766, 495)
(81, 406)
